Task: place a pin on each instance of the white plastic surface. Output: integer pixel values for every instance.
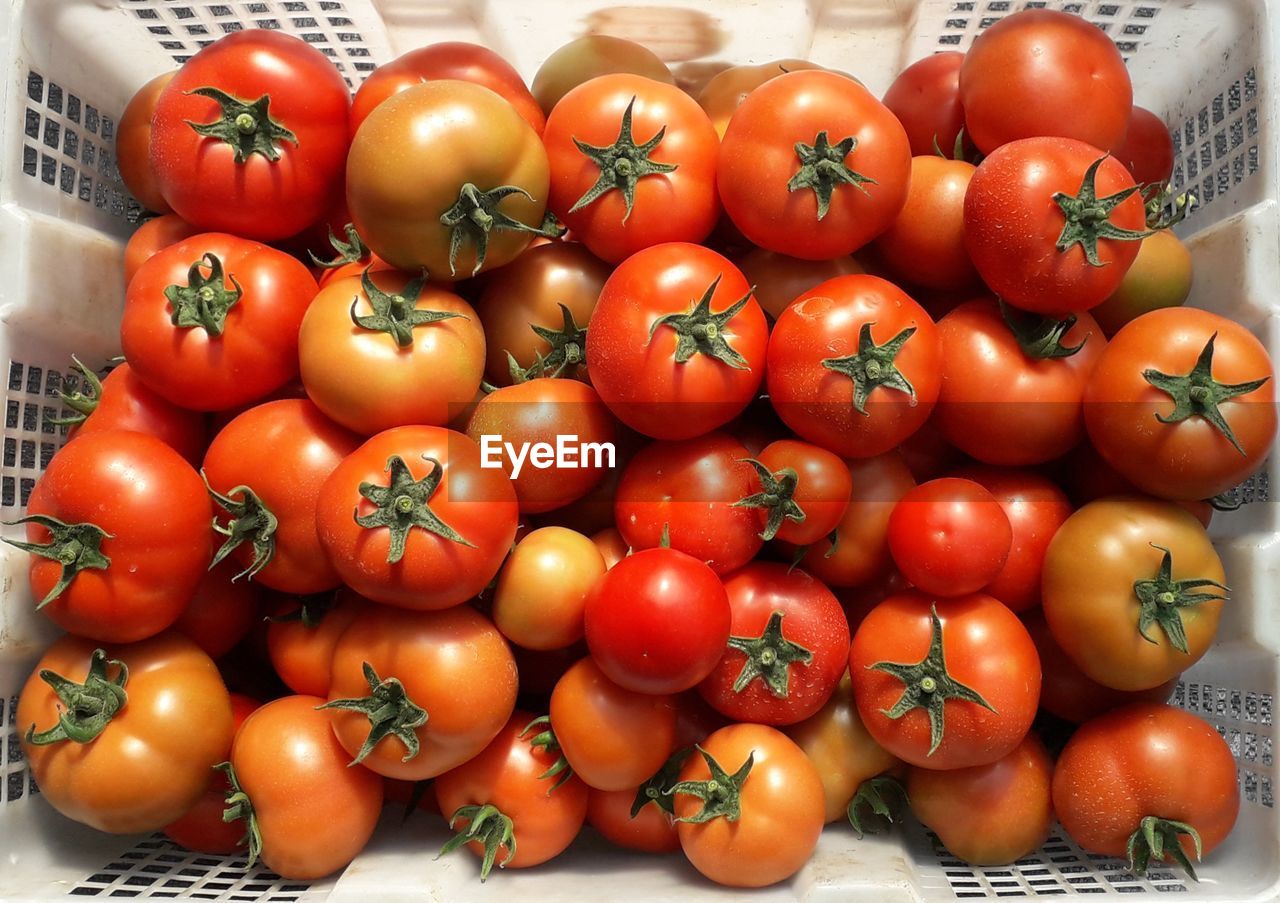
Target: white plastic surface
(1208, 67)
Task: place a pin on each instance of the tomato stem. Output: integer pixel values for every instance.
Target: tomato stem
(872, 795)
(251, 520)
(239, 806)
(769, 657)
(402, 505)
(204, 301)
(721, 795)
(488, 826)
(776, 497)
(1158, 838)
(87, 707)
(353, 250)
(390, 711)
(546, 741)
(622, 164)
(568, 349)
(82, 401)
(311, 610)
(657, 789)
(823, 168)
(699, 331)
(1088, 217)
(873, 367)
(1162, 598)
(475, 214)
(1040, 337)
(396, 314)
(245, 126)
(77, 547)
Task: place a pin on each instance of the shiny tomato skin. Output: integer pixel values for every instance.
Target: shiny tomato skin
(986, 649)
(221, 612)
(632, 356)
(589, 57)
(681, 205)
(651, 830)
(154, 236)
(926, 99)
(456, 60)
(301, 653)
(133, 145)
(154, 509)
(823, 488)
(127, 403)
(543, 588)
(949, 536)
(155, 757)
(779, 279)
(258, 198)
(726, 90)
(1147, 149)
(613, 548)
(925, 243)
(1025, 70)
(658, 621)
(315, 813)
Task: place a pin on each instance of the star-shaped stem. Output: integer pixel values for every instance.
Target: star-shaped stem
(657, 789)
(622, 164)
(769, 657)
(1088, 216)
(545, 740)
(402, 505)
(568, 349)
(82, 401)
(239, 806)
(1158, 839)
(776, 497)
(873, 367)
(396, 314)
(1040, 337)
(927, 685)
(823, 168)
(87, 707)
(487, 826)
(1198, 394)
(871, 796)
(390, 711)
(699, 331)
(204, 301)
(475, 215)
(721, 794)
(77, 547)
(1161, 599)
(245, 125)
(353, 250)
(251, 521)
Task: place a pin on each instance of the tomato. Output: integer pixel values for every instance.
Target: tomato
(928, 454)
(612, 737)
(1182, 403)
(1147, 148)
(633, 164)
(523, 309)
(749, 807)
(727, 89)
(590, 57)
(676, 330)
(221, 612)
(813, 166)
(989, 814)
(925, 244)
(498, 802)
(1023, 72)
(385, 349)
(124, 739)
(1035, 508)
(949, 536)
(838, 744)
(926, 99)
(803, 491)
(133, 145)
(424, 477)
(613, 548)
(788, 647)
(201, 828)
(779, 279)
(658, 621)
(1160, 277)
(441, 683)
(853, 366)
(306, 813)
(1053, 224)
(211, 322)
(456, 60)
(151, 237)
(689, 492)
(464, 192)
(1133, 590)
(1103, 792)
(543, 588)
(118, 531)
(1087, 477)
(945, 682)
(553, 437)
(1012, 384)
(300, 641)
(250, 135)
(650, 830)
(1067, 692)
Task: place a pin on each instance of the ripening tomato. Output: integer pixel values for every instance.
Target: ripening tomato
(1160, 277)
(650, 830)
(592, 56)
(1023, 72)
(152, 237)
(133, 145)
(300, 640)
(854, 366)
(727, 89)
(612, 546)
(779, 279)
(813, 165)
(1182, 403)
(250, 135)
(221, 612)
(926, 99)
(945, 682)
(1147, 148)
(925, 243)
(949, 536)
(803, 491)
(211, 322)
(124, 738)
(543, 587)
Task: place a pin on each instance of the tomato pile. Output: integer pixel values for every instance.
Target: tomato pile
(703, 467)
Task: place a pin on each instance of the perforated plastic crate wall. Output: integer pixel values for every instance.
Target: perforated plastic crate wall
(1209, 68)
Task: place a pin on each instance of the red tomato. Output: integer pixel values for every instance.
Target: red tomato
(803, 491)
(118, 531)
(788, 647)
(1024, 72)
(447, 60)
(611, 545)
(689, 492)
(949, 536)
(650, 830)
(249, 136)
(1147, 149)
(925, 244)
(154, 236)
(676, 345)
(658, 621)
(221, 612)
(133, 144)
(633, 164)
(779, 279)
(1053, 224)
(211, 322)
(945, 682)
(926, 99)
(927, 452)
(854, 365)
(300, 640)
(431, 525)
(813, 166)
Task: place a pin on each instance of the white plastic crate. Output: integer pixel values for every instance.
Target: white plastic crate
(1209, 67)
